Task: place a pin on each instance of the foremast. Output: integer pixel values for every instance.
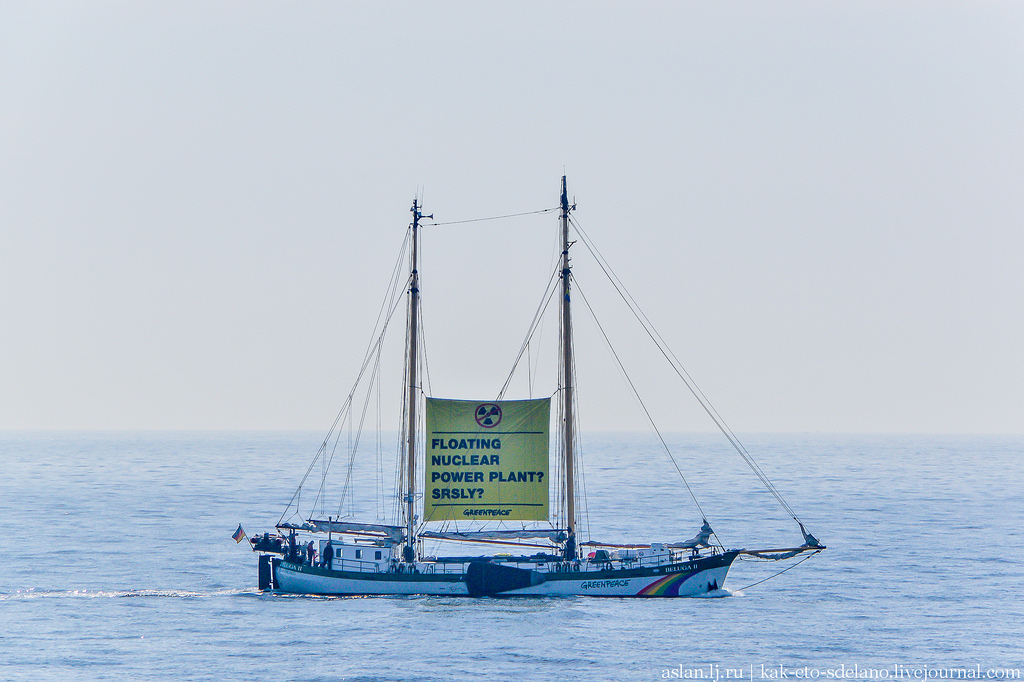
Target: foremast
(567, 379)
(409, 551)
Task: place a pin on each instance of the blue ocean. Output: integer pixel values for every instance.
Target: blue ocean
(119, 564)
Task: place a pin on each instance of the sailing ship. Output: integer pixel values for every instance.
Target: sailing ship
(486, 464)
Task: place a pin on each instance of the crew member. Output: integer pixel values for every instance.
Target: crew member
(328, 556)
(570, 547)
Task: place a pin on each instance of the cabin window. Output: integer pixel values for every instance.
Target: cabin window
(376, 555)
(359, 554)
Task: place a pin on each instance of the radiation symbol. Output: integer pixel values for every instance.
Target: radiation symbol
(488, 415)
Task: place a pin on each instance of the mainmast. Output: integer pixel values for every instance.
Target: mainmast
(409, 553)
(570, 492)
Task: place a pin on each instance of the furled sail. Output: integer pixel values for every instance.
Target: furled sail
(699, 540)
(393, 533)
(552, 534)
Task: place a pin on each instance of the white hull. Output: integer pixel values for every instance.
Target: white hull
(679, 580)
(299, 581)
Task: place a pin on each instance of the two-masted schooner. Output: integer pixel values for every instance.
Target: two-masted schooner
(485, 465)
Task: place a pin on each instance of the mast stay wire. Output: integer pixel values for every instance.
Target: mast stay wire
(344, 412)
(581, 470)
(354, 447)
(677, 366)
(380, 329)
(640, 400)
(496, 217)
(775, 575)
(372, 352)
(549, 292)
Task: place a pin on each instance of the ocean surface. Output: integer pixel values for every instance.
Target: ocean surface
(119, 564)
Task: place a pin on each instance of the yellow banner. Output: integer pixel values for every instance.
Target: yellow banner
(486, 461)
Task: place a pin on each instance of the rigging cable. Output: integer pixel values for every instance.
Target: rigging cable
(777, 574)
(321, 452)
(497, 217)
(402, 472)
(354, 447)
(423, 346)
(545, 301)
(685, 376)
(379, 451)
(375, 342)
(581, 470)
(374, 377)
(640, 400)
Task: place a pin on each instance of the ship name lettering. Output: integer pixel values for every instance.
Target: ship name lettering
(599, 584)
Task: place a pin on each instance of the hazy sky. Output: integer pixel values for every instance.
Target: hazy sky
(820, 205)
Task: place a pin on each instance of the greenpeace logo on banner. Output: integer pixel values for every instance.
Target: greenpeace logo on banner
(486, 460)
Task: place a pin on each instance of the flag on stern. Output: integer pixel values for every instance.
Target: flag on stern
(238, 535)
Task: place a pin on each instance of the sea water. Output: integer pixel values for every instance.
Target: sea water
(119, 564)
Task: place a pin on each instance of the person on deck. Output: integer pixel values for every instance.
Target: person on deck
(328, 556)
(569, 554)
(310, 553)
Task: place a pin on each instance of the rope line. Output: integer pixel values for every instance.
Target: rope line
(680, 371)
(388, 307)
(775, 575)
(497, 217)
(549, 292)
(640, 400)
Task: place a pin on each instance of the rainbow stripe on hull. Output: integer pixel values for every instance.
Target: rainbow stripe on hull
(666, 587)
